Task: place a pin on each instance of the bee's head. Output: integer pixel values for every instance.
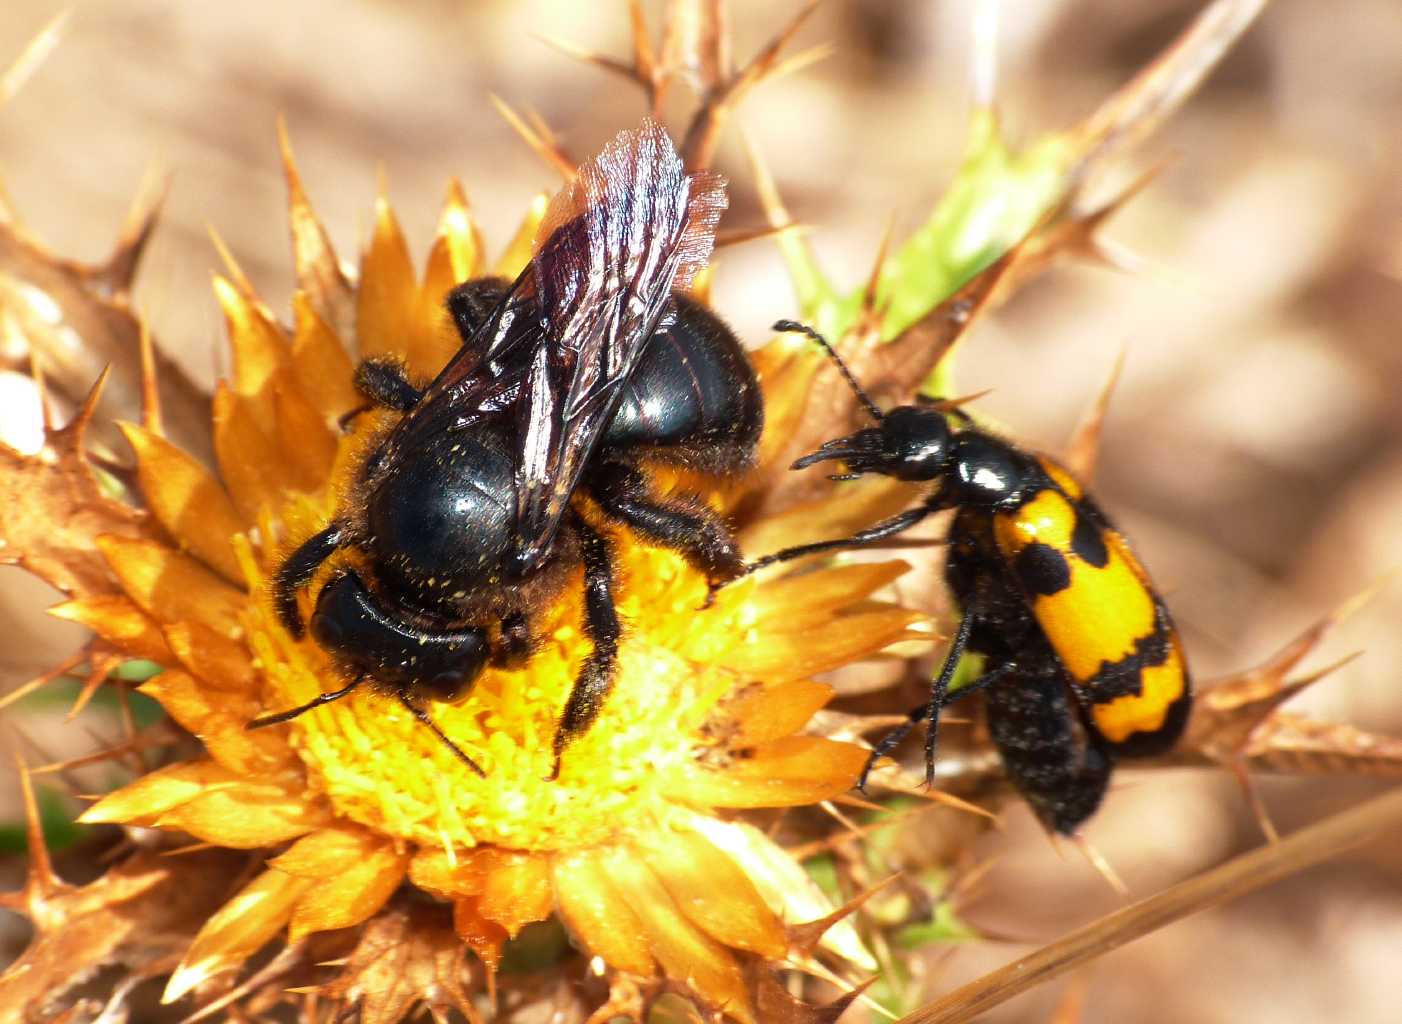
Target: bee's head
(351, 625)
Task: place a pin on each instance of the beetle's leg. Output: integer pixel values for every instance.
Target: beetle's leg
(383, 382)
(930, 710)
(297, 572)
(687, 527)
(898, 523)
(595, 679)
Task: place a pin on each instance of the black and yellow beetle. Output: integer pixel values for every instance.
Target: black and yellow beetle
(1082, 663)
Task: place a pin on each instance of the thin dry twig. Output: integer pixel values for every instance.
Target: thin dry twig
(1136, 110)
(1237, 877)
(33, 55)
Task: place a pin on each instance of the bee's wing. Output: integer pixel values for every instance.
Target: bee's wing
(631, 227)
(484, 377)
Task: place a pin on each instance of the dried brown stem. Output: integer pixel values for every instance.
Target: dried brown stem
(1235, 878)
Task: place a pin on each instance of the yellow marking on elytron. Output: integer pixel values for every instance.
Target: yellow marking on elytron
(1162, 685)
(1063, 478)
(1104, 611)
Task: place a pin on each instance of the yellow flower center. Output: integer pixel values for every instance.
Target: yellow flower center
(379, 766)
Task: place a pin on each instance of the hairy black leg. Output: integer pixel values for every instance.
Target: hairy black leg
(930, 711)
(297, 572)
(315, 702)
(595, 679)
(920, 712)
(886, 528)
(472, 302)
(384, 383)
(689, 528)
(422, 716)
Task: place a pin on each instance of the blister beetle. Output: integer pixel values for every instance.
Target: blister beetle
(1082, 663)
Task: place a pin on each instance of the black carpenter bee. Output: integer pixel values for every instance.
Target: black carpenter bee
(1081, 661)
(570, 380)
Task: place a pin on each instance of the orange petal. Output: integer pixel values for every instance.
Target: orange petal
(260, 348)
(519, 249)
(713, 892)
(453, 259)
(320, 280)
(320, 363)
(805, 598)
(219, 720)
(249, 462)
(597, 916)
(306, 442)
(121, 623)
(789, 772)
(187, 500)
(447, 877)
(388, 291)
(170, 587)
(154, 794)
(847, 638)
(483, 937)
(685, 953)
(220, 663)
(782, 882)
(357, 872)
(764, 714)
(246, 814)
(238, 930)
(517, 891)
(786, 375)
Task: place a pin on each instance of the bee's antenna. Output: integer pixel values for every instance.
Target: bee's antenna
(794, 327)
(315, 702)
(422, 716)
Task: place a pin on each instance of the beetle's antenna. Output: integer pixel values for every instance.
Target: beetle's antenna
(316, 702)
(422, 716)
(794, 327)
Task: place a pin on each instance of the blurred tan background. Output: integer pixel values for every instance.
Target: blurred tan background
(1253, 449)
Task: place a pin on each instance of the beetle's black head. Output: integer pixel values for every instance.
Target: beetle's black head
(350, 624)
(909, 443)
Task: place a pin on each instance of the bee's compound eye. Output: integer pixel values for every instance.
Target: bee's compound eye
(351, 624)
(451, 685)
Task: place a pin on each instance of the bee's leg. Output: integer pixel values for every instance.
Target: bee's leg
(384, 382)
(515, 641)
(686, 526)
(297, 572)
(595, 679)
(471, 304)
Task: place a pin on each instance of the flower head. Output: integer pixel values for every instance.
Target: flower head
(707, 710)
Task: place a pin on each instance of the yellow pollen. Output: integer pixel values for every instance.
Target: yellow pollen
(379, 766)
